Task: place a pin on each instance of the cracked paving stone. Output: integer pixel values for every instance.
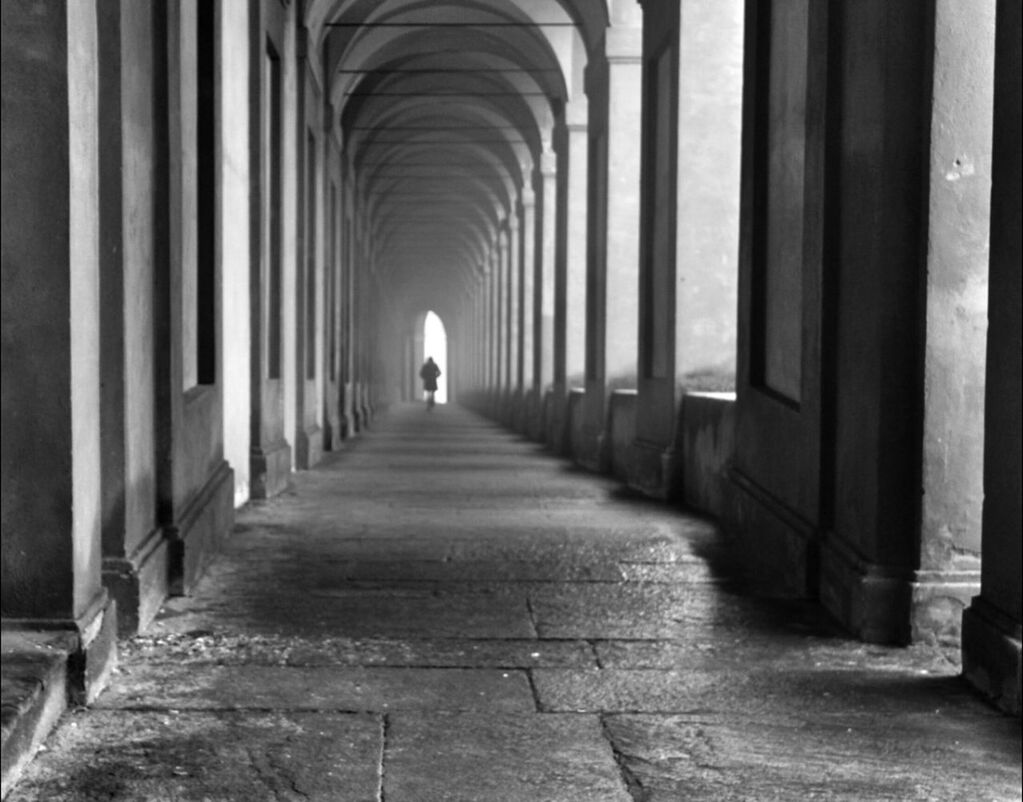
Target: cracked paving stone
(334, 688)
(915, 757)
(207, 756)
(500, 758)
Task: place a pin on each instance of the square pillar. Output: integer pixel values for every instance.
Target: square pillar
(570, 270)
(52, 493)
(992, 623)
(528, 232)
(134, 548)
(545, 273)
(612, 313)
(952, 471)
(513, 385)
(270, 453)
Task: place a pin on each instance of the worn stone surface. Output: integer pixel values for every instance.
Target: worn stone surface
(337, 688)
(209, 755)
(496, 757)
(442, 612)
(922, 756)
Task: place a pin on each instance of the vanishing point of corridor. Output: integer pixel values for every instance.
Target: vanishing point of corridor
(446, 612)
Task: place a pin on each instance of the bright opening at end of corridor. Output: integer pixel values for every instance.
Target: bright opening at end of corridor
(435, 344)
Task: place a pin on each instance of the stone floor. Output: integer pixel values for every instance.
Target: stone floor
(444, 612)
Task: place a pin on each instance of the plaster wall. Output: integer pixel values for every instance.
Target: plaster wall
(235, 351)
(37, 487)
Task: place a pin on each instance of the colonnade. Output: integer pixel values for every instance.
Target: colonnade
(759, 258)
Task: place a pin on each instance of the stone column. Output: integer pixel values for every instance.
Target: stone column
(527, 307)
(545, 272)
(493, 327)
(570, 270)
(501, 267)
(270, 452)
(52, 500)
(613, 261)
(514, 378)
(577, 182)
(134, 550)
(992, 623)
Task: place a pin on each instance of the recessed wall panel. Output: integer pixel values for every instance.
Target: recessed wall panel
(785, 199)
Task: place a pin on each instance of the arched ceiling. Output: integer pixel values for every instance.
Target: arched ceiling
(444, 107)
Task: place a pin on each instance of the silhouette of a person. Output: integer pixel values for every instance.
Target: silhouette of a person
(429, 373)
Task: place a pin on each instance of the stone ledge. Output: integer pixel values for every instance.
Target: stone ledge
(34, 694)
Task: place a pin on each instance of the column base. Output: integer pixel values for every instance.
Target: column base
(308, 447)
(992, 660)
(138, 583)
(872, 601)
(778, 548)
(937, 602)
(269, 469)
(203, 528)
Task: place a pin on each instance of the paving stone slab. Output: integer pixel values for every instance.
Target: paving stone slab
(716, 648)
(499, 758)
(917, 757)
(763, 692)
(208, 756)
(335, 688)
(357, 612)
(224, 648)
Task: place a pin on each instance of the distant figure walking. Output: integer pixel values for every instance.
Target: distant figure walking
(429, 373)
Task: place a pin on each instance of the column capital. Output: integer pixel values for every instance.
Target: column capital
(623, 45)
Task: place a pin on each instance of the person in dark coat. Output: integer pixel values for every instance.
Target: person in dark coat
(429, 373)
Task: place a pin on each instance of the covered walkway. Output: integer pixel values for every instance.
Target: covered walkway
(754, 259)
(446, 612)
